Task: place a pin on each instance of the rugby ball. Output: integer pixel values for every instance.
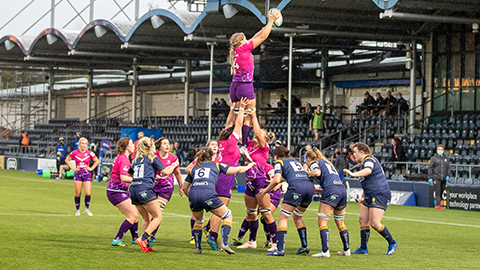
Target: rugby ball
(279, 21)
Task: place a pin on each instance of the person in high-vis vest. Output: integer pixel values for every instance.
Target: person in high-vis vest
(24, 141)
(317, 123)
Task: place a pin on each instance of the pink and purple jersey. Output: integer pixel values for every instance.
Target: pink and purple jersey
(270, 172)
(243, 63)
(82, 160)
(169, 160)
(228, 151)
(259, 155)
(121, 164)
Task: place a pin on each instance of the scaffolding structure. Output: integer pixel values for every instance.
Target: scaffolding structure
(24, 105)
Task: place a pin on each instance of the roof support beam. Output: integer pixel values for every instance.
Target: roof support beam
(357, 35)
(390, 14)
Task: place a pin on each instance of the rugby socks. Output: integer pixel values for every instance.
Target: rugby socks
(123, 229)
(243, 229)
(281, 236)
(192, 223)
(324, 237)
(134, 231)
(145, 235)
(345, 237)
(77, 203)
(207, 227)
(272, 232)
(386, 234)
(245, 134)
(197, 234)
(302, 233)
(253, 230)
(265, 229)
(213, 236)
(155, 231)
(87, 201)
(364, 235)
(226, 228)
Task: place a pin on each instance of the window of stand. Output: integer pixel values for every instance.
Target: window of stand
(456, 69)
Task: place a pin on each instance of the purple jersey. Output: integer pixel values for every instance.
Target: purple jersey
(82, 160)
(228, 151)
(243, 63)
(121, 164)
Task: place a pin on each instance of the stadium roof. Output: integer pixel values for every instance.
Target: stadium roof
(169, 37)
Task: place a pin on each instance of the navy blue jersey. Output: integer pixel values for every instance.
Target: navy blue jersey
(62, 149)
(144, 170)
(206, 175)
(291, 170)
(329, 175)
(375, 182)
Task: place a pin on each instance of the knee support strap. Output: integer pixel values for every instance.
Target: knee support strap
(251, 211)
(339, 216)
(298, 213)
(264, 210)
(325, 216)
(162, 204)
(285, 212)
(199, 221)
(228, 214)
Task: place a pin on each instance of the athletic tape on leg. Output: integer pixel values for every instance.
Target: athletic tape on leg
(199, 221)
(228, 214)
(264, 210)
(252, 211)
(162, 204)
(339, 216)
(322, 215)
(285, 212)
(298, 213)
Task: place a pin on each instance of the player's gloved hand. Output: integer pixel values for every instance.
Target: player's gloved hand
(447, 178)
(430, 181)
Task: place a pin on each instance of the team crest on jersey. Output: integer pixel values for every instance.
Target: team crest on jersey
(209, 203)
(333, 197)
(143, 194)
(168, 162)
(124, 195)
(296, 196)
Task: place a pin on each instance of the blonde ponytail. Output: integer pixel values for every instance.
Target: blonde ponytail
(235, 41)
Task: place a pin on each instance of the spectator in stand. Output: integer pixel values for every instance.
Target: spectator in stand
(342, 162)
(24, 141)
(378, 102)
(191, 155)
(179, 153)
(153, 139)
(439, 174)
(77, 137)
(402, 103)
(172, 150)
(139, 135)
(224, 108)
(296, 103)
(367, 101)
(61, 155)
(215, 107)
(398, 153)
(282, 103)
(389, 100)
(308, 109)
(317, 123)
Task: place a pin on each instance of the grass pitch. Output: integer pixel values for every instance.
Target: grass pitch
(40, 231)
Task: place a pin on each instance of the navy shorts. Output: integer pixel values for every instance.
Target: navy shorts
(379, 200)
(335, 196)
(299, 193)
(141, 194)
(203, 199)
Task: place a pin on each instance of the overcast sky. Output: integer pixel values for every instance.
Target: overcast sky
(103, 9)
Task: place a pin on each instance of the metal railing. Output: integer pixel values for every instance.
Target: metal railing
(409, 164)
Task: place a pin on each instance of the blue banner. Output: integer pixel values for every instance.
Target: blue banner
(106, 145)
(132, 132)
